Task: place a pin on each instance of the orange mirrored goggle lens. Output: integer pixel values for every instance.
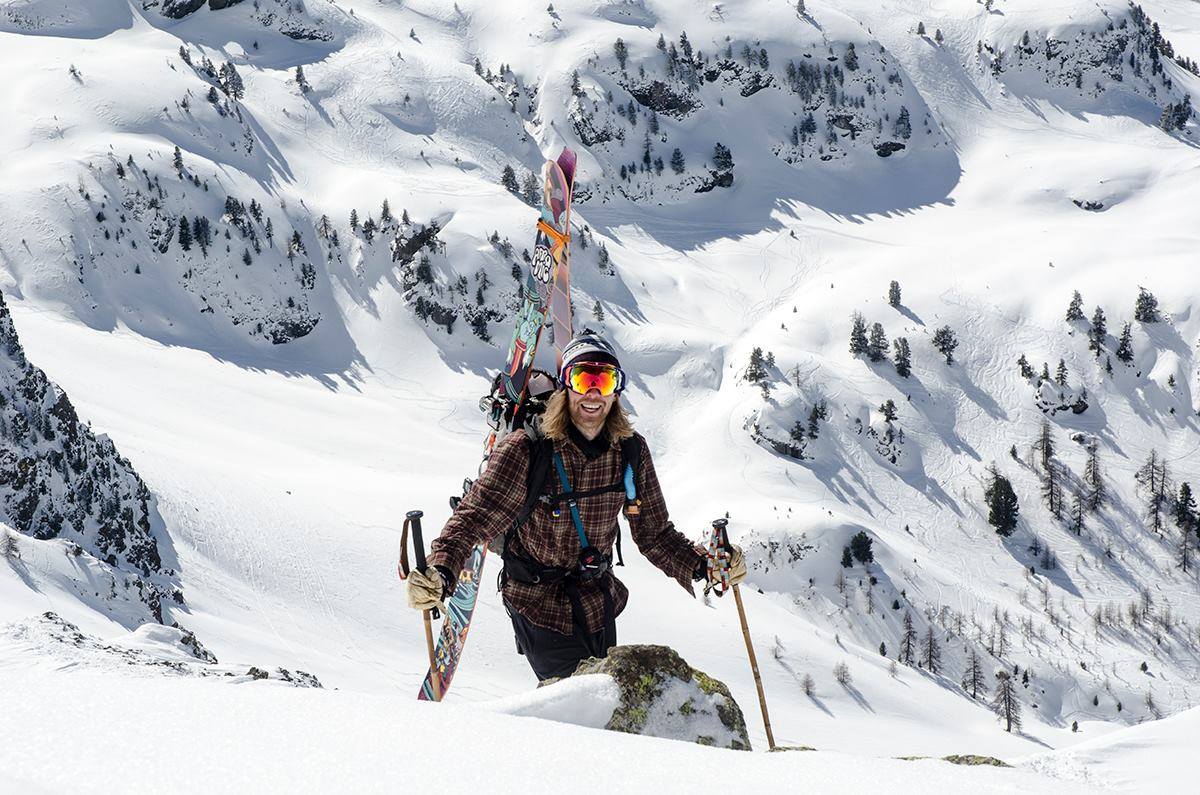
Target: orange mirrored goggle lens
(584, 377)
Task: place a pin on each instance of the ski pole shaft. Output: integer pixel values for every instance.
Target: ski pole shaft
(413, 519)
(762, 699)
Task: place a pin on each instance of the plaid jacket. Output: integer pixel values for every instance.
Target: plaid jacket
(496, 498)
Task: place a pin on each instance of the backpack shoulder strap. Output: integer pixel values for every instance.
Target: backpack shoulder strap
(541, 452)
(631, 457)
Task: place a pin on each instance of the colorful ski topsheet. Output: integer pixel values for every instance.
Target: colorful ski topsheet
(560, 293)
(551, 244)
(453, 637)
(540, 293)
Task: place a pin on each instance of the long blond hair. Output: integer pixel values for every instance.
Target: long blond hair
(557, 418)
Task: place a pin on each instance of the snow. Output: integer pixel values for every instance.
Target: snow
(283, 471)
(255, 737)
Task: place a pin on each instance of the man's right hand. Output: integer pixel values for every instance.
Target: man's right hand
(425, 589)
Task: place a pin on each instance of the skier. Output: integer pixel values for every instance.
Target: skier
(555, 494)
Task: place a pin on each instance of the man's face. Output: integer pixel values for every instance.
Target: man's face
(589, 411)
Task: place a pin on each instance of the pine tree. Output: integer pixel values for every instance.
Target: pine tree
(621, 51)
(938, 37)
(858, 335)
(908, 640)
(888, 410)
(1094, 478)
(1154, 480)
(1146, 307)
(385, 212)
(882, 649)
(921, 28)
(1005, 702)
(531, 190)
(973, 680)
(1045, 444)
(877, 343)
(1075, 310)
(178, 161)
(1098, 332)
(677, 164)
(300, 79)
(903, 125)
(354, 220)
(508, 178)
(1060, 375)
(846, 558)
(185, 233)
(1125, 345)
(1183, 551)
(1052, 488)
(945, 341)
(851, 59)
(722, 158)
(1185, 509)
(818, 413)
(1078, 507)
(932, 658)
(902, 357)
(1024, 367)
(576, 88)
(598, 312)
(756, 371)
(860, 547)
(1003, 508)
(894, 293)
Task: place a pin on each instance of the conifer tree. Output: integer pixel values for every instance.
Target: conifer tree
(1005, 702)
(1185, 509)
(1060, 374)
(677, 163)
(1094, 478)
(354, 220)
(1052, 488)
(1075, 310)
(846, 558)
(908, 640)
(185, 233)
(945, 341)
(860, 547)
(1125, 345)
(1145, 309)
(1045, 444)
(973, 680)
(1078, 507)
(931, 653)
(1098, 332)
(1024, 367)
(508, 178)
(894, 293)
(621, 51)
(858, 335)
(531, 190)
(385, 212)
(877, 343)
(1003, 508)
(178, 160)
(902, 357)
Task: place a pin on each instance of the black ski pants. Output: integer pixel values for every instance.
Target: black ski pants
(551, 654)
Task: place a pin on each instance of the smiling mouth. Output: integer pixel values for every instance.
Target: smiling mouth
(591, 409)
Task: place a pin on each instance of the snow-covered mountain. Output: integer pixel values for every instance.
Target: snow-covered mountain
(271, 249)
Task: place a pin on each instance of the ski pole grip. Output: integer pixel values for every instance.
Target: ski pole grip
(719, 525)
(414, 517)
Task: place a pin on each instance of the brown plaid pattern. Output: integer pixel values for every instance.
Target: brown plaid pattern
(498, 495)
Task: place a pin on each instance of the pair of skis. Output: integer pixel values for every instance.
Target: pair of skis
(546, 291)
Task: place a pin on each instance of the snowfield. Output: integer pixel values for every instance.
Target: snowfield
(286, 411)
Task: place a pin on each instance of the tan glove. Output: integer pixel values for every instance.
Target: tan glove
(737, 566)
(737, 570)
(425, 590)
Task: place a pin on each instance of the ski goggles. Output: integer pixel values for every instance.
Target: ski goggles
(585, 376)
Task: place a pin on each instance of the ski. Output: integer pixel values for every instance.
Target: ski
(541, 295)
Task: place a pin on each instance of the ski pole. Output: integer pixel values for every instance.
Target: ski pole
(413, 519)
(719, 526)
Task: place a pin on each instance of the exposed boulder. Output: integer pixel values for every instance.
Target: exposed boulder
(178, 9)
(663, 696)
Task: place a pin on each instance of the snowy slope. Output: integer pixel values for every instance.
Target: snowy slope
(281, 470)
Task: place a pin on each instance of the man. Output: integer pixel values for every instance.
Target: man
(555, 496)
